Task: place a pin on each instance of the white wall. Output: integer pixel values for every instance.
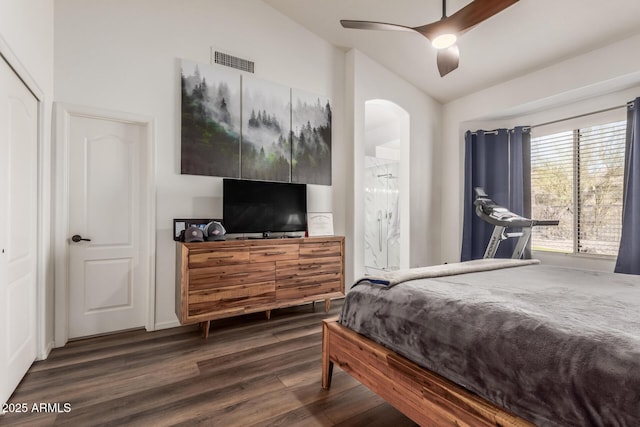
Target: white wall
(26, 26)
(367, 80)
(26, 42)
(123, 55)
(596, 80)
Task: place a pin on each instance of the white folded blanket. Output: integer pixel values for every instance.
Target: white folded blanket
(392, 278)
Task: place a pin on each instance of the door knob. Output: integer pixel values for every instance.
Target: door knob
(76, 238)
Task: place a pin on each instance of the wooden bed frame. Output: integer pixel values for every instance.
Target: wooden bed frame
(425, 397)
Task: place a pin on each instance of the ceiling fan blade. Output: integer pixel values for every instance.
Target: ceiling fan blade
(370, 25)
(448, 60)
(466, 18)
(478, 11)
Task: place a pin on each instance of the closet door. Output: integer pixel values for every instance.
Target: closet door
(18, 228)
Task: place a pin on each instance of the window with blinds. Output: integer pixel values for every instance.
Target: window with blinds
(577, 177)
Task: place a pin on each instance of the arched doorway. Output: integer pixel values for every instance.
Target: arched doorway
(386, 191)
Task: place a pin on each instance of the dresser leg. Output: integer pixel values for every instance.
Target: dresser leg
(205, 328)
(268, 314)
(327, 305)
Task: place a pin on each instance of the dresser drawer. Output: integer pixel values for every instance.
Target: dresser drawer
(230, 275)
(303, 278)
(231, 298)
(307, 267)
(279, 252)
(221, 256)
(309, 287)
(320, 249)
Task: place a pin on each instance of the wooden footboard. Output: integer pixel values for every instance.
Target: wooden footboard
(423, 396)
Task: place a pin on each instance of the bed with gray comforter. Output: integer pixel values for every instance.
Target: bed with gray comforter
(556, 346)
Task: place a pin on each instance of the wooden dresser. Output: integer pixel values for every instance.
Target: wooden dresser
(223, 279)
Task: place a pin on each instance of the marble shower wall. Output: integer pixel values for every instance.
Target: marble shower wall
(382, 220)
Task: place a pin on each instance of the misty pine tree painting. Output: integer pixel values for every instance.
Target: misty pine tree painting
(311, 134)
(266, 124)
(210, 120)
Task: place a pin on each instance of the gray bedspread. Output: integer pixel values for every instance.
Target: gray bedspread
(556, 346)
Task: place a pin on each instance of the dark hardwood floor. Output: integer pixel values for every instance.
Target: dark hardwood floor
(249, 372)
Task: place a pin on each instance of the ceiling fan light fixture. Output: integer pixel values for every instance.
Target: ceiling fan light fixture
(443, 33)
(444, 41)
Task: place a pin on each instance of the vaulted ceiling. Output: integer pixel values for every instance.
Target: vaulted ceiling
(527, 36)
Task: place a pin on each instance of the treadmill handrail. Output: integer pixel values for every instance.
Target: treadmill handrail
(495, 214)
(508, 219)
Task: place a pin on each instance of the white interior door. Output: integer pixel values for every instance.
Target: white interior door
(18, 227)
(108, 277)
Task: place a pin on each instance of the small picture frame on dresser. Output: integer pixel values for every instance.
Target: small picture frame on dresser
(320, 224)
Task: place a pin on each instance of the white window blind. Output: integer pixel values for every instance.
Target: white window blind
(577, 177)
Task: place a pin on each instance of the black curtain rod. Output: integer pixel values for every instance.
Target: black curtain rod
(627, 105)
(491, 132)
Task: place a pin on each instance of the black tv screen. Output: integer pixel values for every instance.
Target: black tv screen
(263, 207)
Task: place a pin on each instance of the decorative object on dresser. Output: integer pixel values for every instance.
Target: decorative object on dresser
(181, 224)
(320, 224)
(215, 280)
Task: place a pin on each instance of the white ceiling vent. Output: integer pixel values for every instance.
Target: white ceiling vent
(231, 61)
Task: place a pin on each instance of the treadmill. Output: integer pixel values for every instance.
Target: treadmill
(503, 219)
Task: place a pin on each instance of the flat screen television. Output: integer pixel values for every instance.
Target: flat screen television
(263, 207)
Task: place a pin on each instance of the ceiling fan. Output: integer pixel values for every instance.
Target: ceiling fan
(443, 33)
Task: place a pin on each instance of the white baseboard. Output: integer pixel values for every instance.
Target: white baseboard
(46, 351)
(167, 325)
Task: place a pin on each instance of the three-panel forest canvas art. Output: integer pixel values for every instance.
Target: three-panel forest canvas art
(243, 127)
